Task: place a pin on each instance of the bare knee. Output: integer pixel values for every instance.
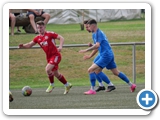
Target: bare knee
(31, 17)
(13, 17)
(46, 16)
(98, 71)
(90, 70)
(115, 71)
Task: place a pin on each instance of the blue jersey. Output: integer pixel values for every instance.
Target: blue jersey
(105, 49)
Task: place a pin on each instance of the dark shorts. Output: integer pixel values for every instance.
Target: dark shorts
(107, 63)
(16, 14)
(29, 13)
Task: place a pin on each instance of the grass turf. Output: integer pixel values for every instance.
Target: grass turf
(121, 98)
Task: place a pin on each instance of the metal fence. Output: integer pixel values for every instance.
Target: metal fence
(133, 44)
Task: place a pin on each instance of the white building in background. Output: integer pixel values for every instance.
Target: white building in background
(69, 16)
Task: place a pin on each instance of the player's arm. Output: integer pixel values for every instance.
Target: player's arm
(95, 46)
(27, 45)
(91, 55)
(61, 39)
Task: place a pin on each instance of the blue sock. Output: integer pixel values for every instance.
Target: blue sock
(103, 77)
(98, 78)
(123, 77)
(92, 79)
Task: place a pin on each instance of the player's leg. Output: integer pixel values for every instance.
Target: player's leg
(63, 80)
(101, 63)
(123, 77)
(101, 86)
(18, 30)
(55, 60)
(32, 16)
(50, 74)
(113, 67)
(46, 17)
(106, 80)
(92, 77)
(13, 22)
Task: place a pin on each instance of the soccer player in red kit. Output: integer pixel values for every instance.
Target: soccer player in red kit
(46, 40)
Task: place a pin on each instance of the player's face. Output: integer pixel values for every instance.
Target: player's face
(87, 27)
(91, 27)
(41, 29)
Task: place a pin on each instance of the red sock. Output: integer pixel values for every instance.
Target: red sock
(62, 79)
(51, 77)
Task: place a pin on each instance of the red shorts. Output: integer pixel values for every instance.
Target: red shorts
(54, 60)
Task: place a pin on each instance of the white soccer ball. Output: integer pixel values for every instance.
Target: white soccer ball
(26, 91)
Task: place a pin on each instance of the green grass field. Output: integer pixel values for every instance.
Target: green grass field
(27, 67)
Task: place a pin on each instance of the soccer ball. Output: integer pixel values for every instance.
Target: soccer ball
(26, 91)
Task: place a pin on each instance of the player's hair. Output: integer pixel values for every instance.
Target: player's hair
(92, 21)
(86, 21)
(40, 22)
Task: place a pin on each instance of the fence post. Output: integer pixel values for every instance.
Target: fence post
(134, 62)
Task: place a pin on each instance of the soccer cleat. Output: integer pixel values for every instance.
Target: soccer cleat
(110, 88)
(133, 87)
(90, 92)
(49, 89)
(100, 88)
(67, 88)
(10, 97)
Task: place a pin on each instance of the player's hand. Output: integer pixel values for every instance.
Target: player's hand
(82, 51)
(20, 45)
(36, 12)
(86, 57)
(59, 49)
(90, 44)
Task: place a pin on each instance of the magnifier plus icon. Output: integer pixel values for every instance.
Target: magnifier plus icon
(147, 99)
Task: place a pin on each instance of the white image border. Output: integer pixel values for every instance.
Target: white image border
(8, 6)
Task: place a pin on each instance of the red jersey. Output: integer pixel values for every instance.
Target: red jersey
(47, 43)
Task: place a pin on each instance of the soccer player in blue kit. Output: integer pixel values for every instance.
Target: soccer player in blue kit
(105, 59)
(101, 86)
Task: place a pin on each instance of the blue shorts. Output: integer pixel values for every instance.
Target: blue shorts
(107, 63)
(29, 13)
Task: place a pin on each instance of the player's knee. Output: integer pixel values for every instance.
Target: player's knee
(90, 70)
(97, 71)
(116, 73)
(48, 16)
(31, 16)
